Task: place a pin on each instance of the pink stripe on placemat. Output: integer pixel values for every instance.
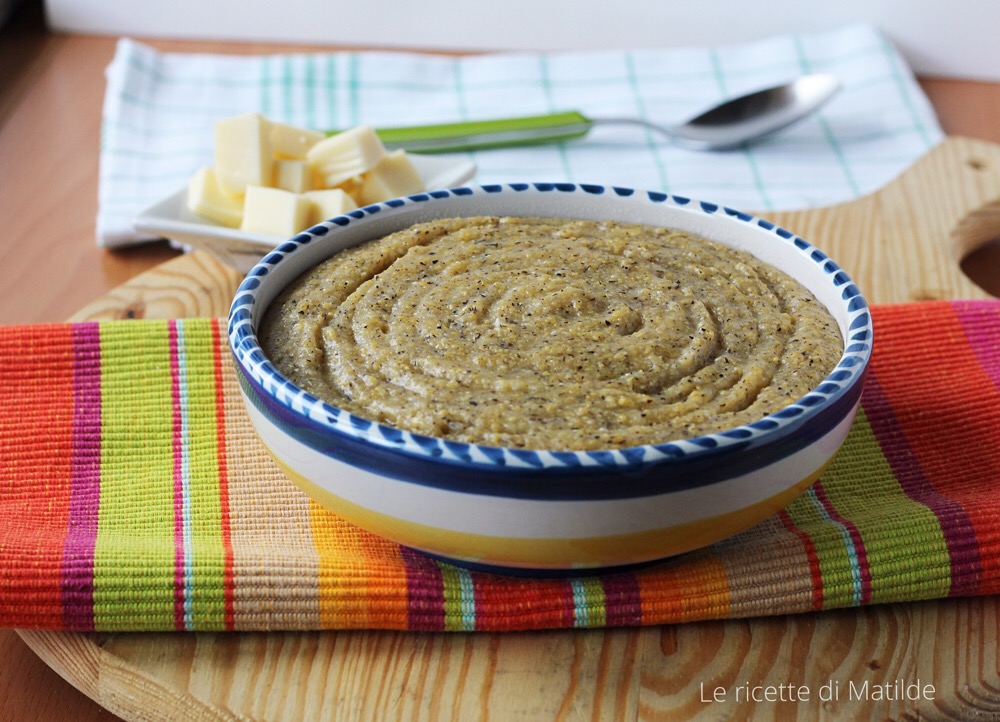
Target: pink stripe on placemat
(424, 591)
(622, 602)
(178, 453)
(981, 322)
(85, 475)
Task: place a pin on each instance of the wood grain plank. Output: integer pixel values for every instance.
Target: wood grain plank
(191, 285)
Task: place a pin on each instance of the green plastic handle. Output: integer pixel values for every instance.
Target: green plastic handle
(486, 134)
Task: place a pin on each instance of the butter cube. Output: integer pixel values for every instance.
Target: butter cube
(274, 212)
(346, 154)
(292, 143)
(292, 175)
(393, 176)
(207, 198)
(243, 152)
(328, 203)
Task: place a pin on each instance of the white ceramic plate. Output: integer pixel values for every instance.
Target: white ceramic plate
(171, 218)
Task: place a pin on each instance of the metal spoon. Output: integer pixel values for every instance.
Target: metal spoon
(731, 124)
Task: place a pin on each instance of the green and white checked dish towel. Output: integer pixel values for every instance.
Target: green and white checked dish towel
(160, 107)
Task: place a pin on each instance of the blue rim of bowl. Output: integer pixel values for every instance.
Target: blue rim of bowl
(321, 417)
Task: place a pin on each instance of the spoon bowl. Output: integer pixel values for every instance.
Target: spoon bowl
(750, 117)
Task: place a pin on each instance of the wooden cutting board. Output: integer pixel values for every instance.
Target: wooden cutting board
(903, 243)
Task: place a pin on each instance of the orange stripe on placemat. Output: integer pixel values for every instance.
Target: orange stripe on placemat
(695, 586)
(36, 451)
(362, 578)
(504, 603)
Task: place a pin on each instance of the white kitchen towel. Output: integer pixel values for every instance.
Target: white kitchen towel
(160, 107)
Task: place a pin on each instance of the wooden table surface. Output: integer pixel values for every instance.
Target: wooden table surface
(51, 91)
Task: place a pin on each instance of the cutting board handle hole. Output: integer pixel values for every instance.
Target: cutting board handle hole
(982, 266)
(977, 241)
(978, 164)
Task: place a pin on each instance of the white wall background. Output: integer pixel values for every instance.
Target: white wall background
(954, 38)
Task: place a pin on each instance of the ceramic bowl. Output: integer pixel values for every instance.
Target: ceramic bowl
(542, 511)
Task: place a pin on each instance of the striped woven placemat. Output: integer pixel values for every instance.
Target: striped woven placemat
(135, 496)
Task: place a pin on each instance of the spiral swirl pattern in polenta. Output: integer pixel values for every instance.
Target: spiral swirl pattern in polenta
(551, 333)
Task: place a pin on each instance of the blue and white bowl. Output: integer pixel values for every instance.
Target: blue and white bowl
(543, 510)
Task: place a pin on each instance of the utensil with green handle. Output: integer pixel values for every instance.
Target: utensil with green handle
(727, 125)
(486, 134)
